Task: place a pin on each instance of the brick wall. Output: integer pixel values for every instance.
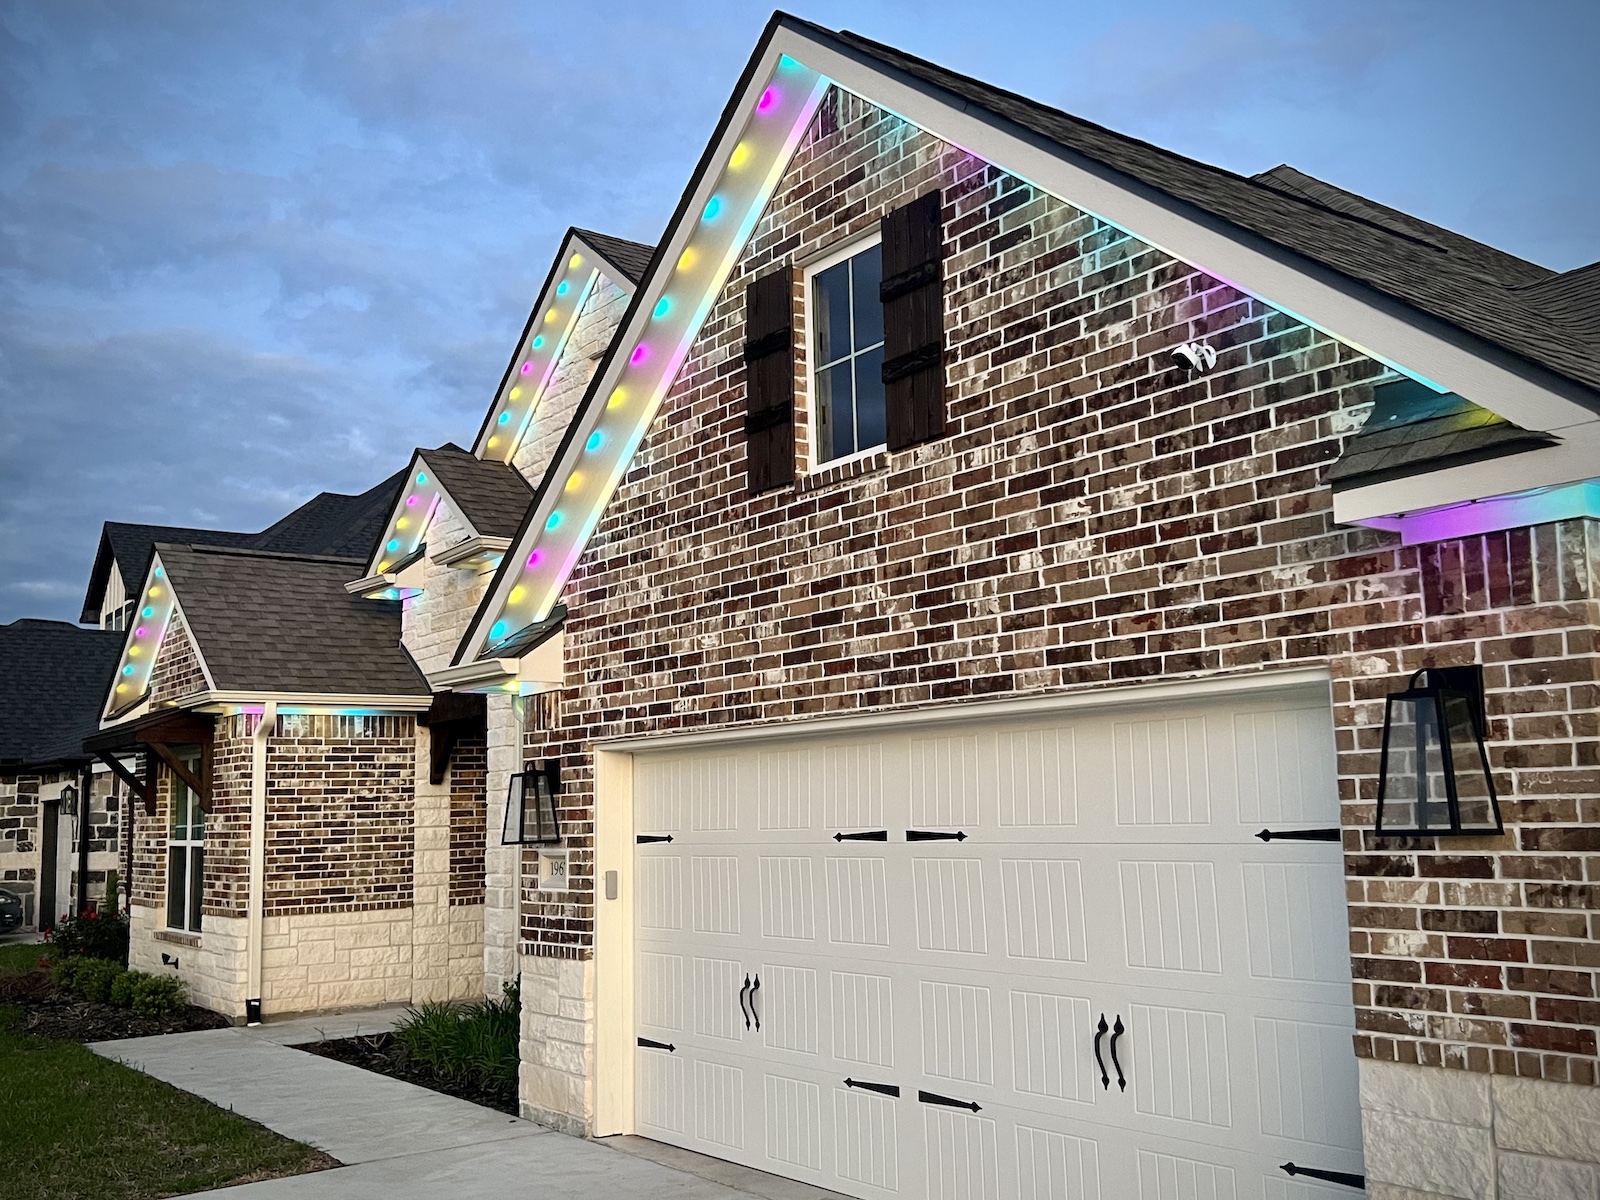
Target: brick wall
(469, 764)
(339, 815)
(1096, 516)
(177, 670)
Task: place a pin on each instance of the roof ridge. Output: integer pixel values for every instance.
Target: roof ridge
(253, 552)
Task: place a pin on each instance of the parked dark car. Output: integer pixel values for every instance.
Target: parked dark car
(10, 911)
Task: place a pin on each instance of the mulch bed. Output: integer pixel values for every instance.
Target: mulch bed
(67, 1016)
(382, 1053)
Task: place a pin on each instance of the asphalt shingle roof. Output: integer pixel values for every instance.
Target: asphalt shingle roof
(492, 495)
(1471, 286)
(53, 681)
(632, 258)
(268, 622)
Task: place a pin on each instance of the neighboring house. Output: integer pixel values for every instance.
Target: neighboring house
(51, 689)
(939, 643)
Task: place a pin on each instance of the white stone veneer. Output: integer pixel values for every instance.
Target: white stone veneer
(502, 864)
(1438, 1134)
(556, 1085)
(213, 969)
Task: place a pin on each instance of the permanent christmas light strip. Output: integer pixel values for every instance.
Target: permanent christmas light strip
(146, 631)
(757, 147)
(419, 504)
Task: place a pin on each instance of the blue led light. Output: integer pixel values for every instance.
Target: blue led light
(497, 630)
(504, 417)
(596, 440)
(563, 288)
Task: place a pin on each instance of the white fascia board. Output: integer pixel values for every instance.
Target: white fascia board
(134, 669)
(1314, 683)
(218, 701)
(478, 546)
(541, 669)
(1575, 460)
(799, 63)
(409, 519)
(576, 272)
(1491, 514)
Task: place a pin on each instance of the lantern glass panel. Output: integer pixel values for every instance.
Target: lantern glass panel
(512, 833)
(1474, 789)
(540, 822)
(1415, 791)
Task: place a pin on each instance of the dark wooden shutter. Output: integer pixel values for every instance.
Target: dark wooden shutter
(769, 380)
(913, 321)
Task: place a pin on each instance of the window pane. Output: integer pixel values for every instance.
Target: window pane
(832, 311)
(197, 815)
(197, 886)
(837, 435)
(870, 421)
(177, 895)
(868, 266)
(180, 812)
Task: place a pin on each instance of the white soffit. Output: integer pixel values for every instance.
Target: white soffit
(764, 124)
(141, 644)
(577, 270)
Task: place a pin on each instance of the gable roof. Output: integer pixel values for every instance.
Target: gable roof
(1421, 306)
(585, 258)
(492, 496)
(268, 623)
(52, 684)
(329, 523)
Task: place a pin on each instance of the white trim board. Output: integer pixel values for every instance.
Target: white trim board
(1307, 679)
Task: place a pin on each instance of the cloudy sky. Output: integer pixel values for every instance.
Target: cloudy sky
(249, 252)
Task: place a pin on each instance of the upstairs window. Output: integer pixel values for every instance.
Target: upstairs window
(847, 352)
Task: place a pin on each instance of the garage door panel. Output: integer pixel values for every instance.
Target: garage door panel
(1291, 932)
(951, 913)
(790, 1009)
(858, 900)
(1052, 1040)
(1043, 906)
(719, 984)
(957, 1024)
(1170, 916)
(1285, 761)
(794, 1123)
(867, 1138)
(1052, 1165)
(788, 897)
(716, 904)
(960, 1155)
(863, 1025)
(1301, 1067)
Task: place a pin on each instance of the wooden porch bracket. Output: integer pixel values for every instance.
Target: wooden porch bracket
(142, 788)
(199, 784)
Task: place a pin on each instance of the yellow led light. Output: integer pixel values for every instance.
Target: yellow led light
(401, 523)
(382, 567)
(154, 592)
(618, 399)
(122, 687)
(515, 392)
(574, 481)
(575, 262)
(133, 652)
(517, 593)
(550, 316)
(686, 259)
(493, 442)
(740, 156)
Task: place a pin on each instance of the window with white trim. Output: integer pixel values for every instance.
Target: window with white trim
(185, 859)
(845, 317)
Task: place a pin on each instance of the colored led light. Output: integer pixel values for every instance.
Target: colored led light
(550, 316)
(527, 367)
(740, 156)
(640, 353)
(537, 342)
(421, 478)
(553, 520)
(575, 262)
(686, 260)
(497, 630)
(411, 501)
(394, 544)
(563, 288)
(128, 670)
(160, 573)
(122, 687)
(574, 481)
(505, 417)
(663, 306)
(516, 392)
(133, 652)
(139, 632)
(533, 559)
(147, 612)
(596, 440)
(392, 594)
(154, 592)
(517, 593)
(712, 208)
(618, 399)
(382, 567)
(401, 523)
(768, 101)
(493, 442)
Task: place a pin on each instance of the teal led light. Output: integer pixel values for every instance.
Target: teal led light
(553, 520)
(128, 670)
(596, 440)
(504, 417)
(713, 207)
(497, 630)
(421, 479)
(160, 573)
(663, 305)
(538, 341)
(394, 544)
(563, 288)
(147, 612)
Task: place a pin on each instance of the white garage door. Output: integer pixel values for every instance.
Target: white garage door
(881, 964)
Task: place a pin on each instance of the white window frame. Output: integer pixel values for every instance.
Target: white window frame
(189, 844)
(829, 258)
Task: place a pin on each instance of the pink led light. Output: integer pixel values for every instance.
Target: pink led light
(139, 632)
(640, 353)
(533, 559)
(411, 501)
(769, 100)
(527, 368)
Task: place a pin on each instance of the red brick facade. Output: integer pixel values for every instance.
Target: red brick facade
(177, 670)
(1094, 515)
(469, 768)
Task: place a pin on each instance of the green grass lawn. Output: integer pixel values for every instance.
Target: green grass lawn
(18, 959)
(73, 1124)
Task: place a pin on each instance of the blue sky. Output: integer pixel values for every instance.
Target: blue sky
(249, 252)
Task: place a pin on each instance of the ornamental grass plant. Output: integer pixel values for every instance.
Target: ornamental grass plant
(473, 1042)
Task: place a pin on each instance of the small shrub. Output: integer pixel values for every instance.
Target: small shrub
(96, 977)
(465, 1042)
(91, 935)
(64, 972)
(158, 995)
(123, 987)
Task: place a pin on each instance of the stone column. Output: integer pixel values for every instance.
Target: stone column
(430, 912)
(502, 864)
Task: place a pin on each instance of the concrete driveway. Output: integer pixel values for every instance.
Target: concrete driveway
(402, 1142)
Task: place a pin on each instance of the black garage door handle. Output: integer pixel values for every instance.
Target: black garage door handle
(1105, 1080)
(1117, 1031)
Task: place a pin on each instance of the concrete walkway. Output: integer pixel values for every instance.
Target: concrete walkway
(402, 1142)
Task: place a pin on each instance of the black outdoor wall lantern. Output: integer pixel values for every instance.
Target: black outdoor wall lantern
(531, 815)
(1433, 777)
